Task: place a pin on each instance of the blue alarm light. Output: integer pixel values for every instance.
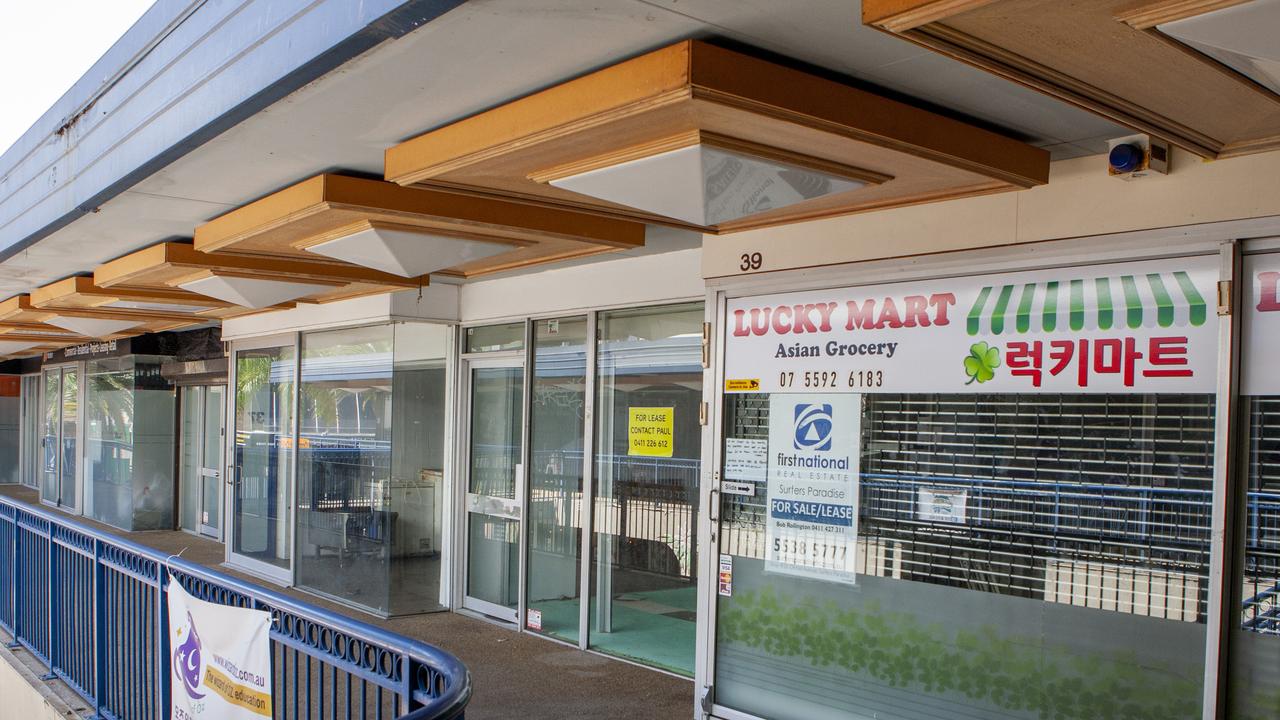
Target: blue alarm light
(1126, 157)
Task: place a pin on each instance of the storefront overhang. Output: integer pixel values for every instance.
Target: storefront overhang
(21, 323)
(694, 135)
(1166, 67)
(410, 233)
(245, 283)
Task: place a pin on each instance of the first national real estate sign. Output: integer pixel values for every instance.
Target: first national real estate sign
(221, 659)
(1138, 327)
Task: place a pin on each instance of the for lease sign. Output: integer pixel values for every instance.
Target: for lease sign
(1137, 327)
(812, 525)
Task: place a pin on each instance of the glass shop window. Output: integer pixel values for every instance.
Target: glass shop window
(371, 465)
(495, 338)
(980, 497)
(1254, 688)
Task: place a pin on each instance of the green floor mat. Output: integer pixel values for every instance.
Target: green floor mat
(655, 627)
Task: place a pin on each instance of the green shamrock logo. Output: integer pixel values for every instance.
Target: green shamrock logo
(981, 362)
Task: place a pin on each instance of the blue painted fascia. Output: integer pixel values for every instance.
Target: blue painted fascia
(186, 72)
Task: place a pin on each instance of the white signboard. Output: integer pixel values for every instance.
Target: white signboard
(221, 659)
(1261, 325)
(745, 459)
(1139, 327)
(942, 505)
(812, 526)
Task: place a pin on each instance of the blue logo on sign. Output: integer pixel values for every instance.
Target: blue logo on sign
(813, 427)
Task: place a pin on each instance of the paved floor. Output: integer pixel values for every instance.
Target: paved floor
(515, 675)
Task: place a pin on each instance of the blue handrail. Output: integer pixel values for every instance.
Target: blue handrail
(91, 607)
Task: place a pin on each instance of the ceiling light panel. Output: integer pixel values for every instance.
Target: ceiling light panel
(406, 253)
(253, 292)
(1245, 37)
(706, 185)
(10, 346)
(93, 327)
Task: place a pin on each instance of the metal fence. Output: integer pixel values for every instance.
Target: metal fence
(91, 607)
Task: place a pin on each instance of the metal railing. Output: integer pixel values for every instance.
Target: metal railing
(91, 607)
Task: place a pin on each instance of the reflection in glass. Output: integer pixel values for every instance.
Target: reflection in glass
(264, 454)
(51, 421)
(644, 563)
(69, 495)
(109, 432)
(129, 437)
(495, 338)
(368, 498)
(189, 458)
(1067, 578)
(493, 550)
(32, 415)
(555, 475)
(1254, 690)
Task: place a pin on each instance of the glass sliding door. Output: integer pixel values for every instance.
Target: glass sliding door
(262, 481)
(495, 466)
(60, 402)
(647, 451)
(200, 479)
(557, 407)
(212, 434)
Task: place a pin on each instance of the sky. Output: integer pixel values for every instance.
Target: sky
(45, 46)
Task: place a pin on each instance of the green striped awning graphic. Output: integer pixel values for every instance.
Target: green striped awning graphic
(1106, 303)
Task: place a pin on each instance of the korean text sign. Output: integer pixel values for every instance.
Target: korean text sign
(221, 664)
(1139, 327)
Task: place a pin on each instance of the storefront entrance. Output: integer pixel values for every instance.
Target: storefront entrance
(987, 495)
(495, 478)
(263, 454)
(583, 451)
(60, 401)
(200, 478)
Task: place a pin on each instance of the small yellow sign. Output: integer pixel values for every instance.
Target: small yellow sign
(748, 385)
(651, 431)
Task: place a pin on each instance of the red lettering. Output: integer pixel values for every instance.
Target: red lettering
(889, 315)
(1267, 297)
(825, 310)
(860, 316)
(740, 323)
(939, 302)
(760, 320)
(804, 321)
(917, 311)
(780, 326)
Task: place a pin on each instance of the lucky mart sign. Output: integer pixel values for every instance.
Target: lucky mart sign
(1261, 325)
(221, 659)
(1136, 327)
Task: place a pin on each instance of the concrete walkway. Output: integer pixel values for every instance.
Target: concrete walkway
(515, 675)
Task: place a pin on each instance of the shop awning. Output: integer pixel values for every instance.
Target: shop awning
(1105, 303)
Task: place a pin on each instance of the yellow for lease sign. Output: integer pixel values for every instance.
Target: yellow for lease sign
(650, 431)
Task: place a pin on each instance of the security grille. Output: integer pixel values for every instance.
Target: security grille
(1261, 607)
(1094, 500)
